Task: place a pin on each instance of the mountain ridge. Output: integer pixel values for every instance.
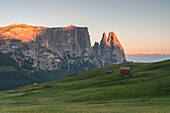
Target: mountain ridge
(63, 49)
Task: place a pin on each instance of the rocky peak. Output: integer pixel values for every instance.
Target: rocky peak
(110, 51)
(112, 40)
(104, 37)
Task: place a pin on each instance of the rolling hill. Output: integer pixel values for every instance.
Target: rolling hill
(95, 91)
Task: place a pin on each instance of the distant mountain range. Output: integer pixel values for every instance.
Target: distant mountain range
(147, 57)
(51, 53)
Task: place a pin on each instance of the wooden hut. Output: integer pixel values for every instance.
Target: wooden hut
(125, 71)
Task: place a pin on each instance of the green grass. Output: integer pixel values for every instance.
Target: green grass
(96, 91)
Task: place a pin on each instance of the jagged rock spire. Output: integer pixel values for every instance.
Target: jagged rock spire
(112, 40)
(110, 51)
(104, 37)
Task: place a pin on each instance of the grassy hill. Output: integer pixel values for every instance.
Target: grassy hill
(96, 91)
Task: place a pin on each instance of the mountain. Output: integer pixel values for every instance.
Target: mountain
(109, 51)
(96, 91)
(59, 51)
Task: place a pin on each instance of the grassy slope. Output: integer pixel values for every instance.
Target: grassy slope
(96, 91)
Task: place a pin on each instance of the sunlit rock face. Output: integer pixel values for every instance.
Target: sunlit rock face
(23, 32)
(66, 49)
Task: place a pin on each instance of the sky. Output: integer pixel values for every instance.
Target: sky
(142, 26)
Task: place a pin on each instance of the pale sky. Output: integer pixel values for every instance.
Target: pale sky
(142, 26)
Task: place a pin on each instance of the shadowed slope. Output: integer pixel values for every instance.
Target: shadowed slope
(11, 75)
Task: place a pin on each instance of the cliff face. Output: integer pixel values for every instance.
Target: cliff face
(66, 49)
(74, 40)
